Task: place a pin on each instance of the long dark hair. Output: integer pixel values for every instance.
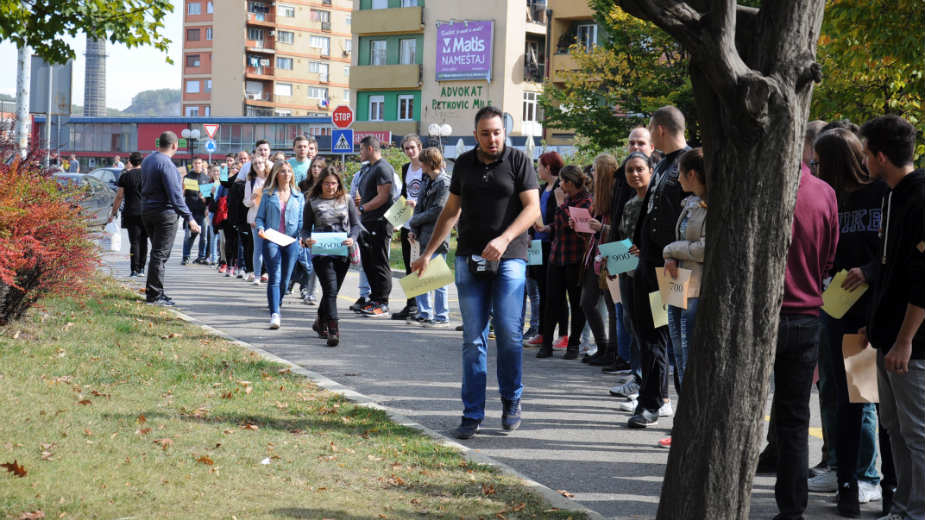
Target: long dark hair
(841, 161)
(330, 171)
(574, 175)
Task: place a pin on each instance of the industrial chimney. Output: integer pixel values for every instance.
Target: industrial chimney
(95, 79)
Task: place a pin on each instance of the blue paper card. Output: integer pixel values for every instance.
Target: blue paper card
(619, 259)
(535, 253)
(206, 190)
(331, 244)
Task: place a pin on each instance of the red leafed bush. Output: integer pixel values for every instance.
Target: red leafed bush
(45, 245)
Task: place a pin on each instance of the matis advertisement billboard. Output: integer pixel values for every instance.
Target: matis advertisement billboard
(464, 50)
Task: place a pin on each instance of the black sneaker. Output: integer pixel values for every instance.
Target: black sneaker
(404, 314)
(163, 302)
(619, 367)
(184, 261)
(510, 414)
(846, 500)
(459, 328)
(466, 429)
(359, 304)
(643, 419)
(767, 462)
(415, 320)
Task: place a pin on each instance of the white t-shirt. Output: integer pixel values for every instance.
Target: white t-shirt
(414, 181)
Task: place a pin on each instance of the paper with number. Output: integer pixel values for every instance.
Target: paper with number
(535, 253)
(619, 259)
(860, 369)
(277, 238)
(614, 287)
(836, 300)
(436, 275)
(399, 213)
(659, 310)
(206, 190)
(581, 216)
(191, 184)
(223, 176)
(331, 244)
(673, 290)
(415, 250)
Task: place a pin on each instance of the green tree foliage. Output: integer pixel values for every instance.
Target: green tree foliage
(636, 69)
(160, 102)
(43, 24)
(872, 61)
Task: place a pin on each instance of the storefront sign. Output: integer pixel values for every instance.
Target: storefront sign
(464, 50)
(469, 97)
(384, 137)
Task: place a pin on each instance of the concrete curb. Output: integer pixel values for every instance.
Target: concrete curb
(554, 498)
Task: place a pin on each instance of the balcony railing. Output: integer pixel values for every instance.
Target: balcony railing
(534, 73)
(326, 2)
(325, 26)
(266, 95)
(536, 13)
(266, 44)
(262, 70)
(269, 18)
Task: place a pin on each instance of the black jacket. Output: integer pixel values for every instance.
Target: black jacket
(899, 276)
(659, 224)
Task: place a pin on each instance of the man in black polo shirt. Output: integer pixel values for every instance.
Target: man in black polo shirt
(130, 191)
(375, 193)
(494, 196)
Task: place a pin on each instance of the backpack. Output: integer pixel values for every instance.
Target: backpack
(220, 213)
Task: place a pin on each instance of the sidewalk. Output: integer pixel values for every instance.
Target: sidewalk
(573, 437)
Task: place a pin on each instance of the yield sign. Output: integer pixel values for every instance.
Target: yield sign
(210, 129)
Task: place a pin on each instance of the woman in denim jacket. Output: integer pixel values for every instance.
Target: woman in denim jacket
(280, 209)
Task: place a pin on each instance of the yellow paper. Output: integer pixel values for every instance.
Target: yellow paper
(436, 275)
(614, 287)
(860, 369)
(399, 213)
(836, 301)
(191, 184)
(659, 310)
(673, 290)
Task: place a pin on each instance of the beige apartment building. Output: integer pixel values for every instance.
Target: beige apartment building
(569, 22)
(265, 58)
(425, 62)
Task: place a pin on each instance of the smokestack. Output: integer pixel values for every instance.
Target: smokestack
(95, 79)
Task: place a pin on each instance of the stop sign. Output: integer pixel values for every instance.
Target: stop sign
(342, 117)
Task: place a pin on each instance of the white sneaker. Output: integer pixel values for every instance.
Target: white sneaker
(240, 274)
(628, 406)
(587, 349)
(868, 492)
(256, 281)
(824, 483)
(274, 321)
(665, 410)
(250, 277)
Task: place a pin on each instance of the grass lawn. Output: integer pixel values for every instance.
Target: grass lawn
(115, 409)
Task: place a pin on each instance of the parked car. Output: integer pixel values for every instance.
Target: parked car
(109, 175)
(94, 197)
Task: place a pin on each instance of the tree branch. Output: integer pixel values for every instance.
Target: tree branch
(675, 17)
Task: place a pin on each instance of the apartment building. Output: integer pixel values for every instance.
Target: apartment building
(265, 58)
(570, 22)
(425, 62)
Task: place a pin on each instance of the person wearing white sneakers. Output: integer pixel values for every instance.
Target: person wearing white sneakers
(280, 208)
(253, 190)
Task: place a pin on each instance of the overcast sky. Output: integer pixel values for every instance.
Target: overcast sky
(128, 71)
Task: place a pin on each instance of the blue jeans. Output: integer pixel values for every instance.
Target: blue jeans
(280, 261)
(533, 292)
(626, 295)
(624, 334)
(189, 237)
(258, 256)
(504, 293)
(364, 284)
(680, 325)
(215, 244)
(205, 238)
(423, 303)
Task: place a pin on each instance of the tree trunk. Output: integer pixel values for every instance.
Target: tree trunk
(753, 104)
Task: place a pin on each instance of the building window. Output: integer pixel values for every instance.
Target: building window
(192, 87)
(193, 8)
(192, 60)
(192, 35)
(209, 9)
(318, 15)
(208, 34)
(286, 37)
(208, 85)
(255, 34)
(409, 50)
(529, 106)
(348, 20)
(346, 94)
(348, 46)
(284, 113)
(191, 111)
(321, 42)
(254, 90)
(376, 108)
(409, 3)
(347, 72)
(380, 4)
(283, 89)
(405, 108)
(208, 107)
(317, 92)
(377, 52)
(284, 63)
(587, 35)
(321, 69)
(286, 10)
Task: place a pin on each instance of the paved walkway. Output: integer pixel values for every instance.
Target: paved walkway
(573, 438)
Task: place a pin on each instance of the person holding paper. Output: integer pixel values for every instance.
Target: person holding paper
(330, 210)
(280, 209)
(197, 206)
(253, 191)
(839, 157)
(305, 274)
(412, 176)
(212, 236)
(494, 197)
(895, 327)
(563, 272)
(431, 199)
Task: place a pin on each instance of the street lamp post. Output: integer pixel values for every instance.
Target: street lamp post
(440, 131)
(192, 135)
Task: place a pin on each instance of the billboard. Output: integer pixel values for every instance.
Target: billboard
(61, 87)
(464, 49)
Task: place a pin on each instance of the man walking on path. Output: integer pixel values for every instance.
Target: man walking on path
(898, 302)
(376, 195)
(162, 201)
(495, 198)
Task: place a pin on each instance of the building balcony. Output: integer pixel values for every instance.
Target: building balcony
(534, 73)
(265, 45)
(261, 99)
(560, 65)
(262, 72)
(394, 20)
(262, 19)
(325, 26)
(385, 76)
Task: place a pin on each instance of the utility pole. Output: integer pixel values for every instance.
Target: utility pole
(51, 90)
(23, 121)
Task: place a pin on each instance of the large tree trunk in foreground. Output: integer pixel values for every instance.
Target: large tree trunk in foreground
(753, 104)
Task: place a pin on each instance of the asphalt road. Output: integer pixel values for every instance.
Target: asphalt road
(573, 438)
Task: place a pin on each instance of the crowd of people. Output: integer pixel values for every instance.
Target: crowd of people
(859, 208)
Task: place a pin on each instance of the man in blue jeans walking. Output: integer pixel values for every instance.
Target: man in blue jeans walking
(494, 197)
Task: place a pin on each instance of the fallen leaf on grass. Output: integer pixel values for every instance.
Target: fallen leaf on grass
(250, 427)
(564, 493)
(32, 515)
(98, 394)
(85, 402)
(248, 389)
(488, 489)
(499, 516)
(205, 460)
(519, 507)
(227, 395)
(374, 458)
(283, 371)
(172, 335)
(142, 419)
(165, 443)
(143, 431)
(14, 468)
